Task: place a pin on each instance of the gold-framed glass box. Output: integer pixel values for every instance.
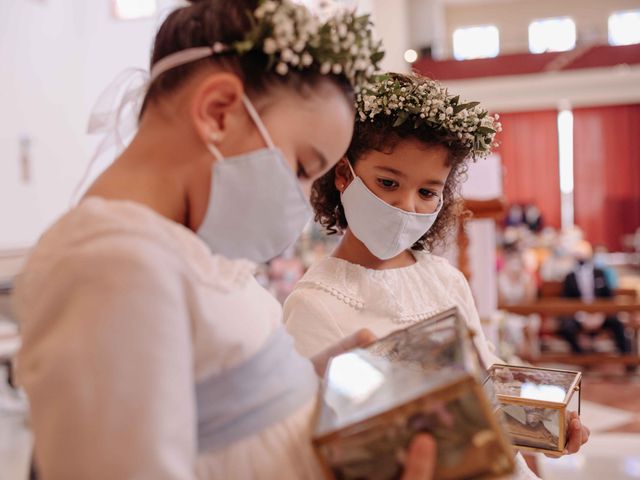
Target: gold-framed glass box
(536, 403)
(425, 378)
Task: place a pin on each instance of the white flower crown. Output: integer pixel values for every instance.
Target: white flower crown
(295, 39)
(426, 103)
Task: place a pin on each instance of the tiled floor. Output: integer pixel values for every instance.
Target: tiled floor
(607, 456)
(613, 451)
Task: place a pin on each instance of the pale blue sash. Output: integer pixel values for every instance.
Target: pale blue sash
(254, 395)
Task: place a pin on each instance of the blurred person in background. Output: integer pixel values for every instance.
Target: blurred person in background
(588, 283)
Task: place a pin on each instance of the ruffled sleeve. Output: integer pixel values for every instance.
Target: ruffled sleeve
(309, 322)
(107, 361)
(465, 302)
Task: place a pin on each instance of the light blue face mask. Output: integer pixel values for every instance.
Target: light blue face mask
(385, 230)
(256, 206)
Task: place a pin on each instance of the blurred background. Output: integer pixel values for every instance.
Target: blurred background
(561, 191)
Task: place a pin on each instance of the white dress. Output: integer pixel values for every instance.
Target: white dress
(336, 298)
(122, 312)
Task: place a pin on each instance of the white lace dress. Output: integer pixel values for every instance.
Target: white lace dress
(122, 314)
(336, 298)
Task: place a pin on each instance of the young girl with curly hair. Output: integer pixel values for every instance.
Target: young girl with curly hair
(394, 197)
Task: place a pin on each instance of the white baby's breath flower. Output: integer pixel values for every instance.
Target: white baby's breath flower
(218, 47)
(339, 43)
(360, 64)
(307, 59)
(286, 55)
(270, 46)
(269, 6)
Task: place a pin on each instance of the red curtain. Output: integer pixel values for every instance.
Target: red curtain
(529, 154)
(607, 172)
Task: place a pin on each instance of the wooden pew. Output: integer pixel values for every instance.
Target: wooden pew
(551, 304)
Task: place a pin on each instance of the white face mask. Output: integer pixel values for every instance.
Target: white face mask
(256, 206)
(384, 229)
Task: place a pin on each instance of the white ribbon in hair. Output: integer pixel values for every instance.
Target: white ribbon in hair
(116, 112)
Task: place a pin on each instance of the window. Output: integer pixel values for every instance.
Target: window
(134, 9)
(476, 42)
(552, 35)
(624, 28)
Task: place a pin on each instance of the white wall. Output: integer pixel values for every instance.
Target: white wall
(56, 57)
(484, 183)
(391, 19)
(427, 25)
(40, 48)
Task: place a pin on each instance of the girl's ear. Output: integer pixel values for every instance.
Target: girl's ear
(215, 100)
(343, 175)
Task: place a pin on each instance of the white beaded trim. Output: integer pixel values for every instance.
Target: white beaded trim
(359, 304)
(347, 299)
(416, 317)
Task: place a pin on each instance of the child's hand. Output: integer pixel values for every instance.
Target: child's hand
(578, 435)
(421, 459)
(361, 338)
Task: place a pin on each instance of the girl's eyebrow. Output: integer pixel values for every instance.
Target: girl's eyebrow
(430, 181)
(392, 171)
(437, 183)
(321, 159)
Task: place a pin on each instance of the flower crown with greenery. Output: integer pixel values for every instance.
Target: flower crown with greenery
(295, 39)
(426, 103)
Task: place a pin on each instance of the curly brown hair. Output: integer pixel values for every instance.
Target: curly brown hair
(381, 135)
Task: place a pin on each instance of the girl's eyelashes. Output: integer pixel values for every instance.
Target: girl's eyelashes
(429, 194)
(301, 173)
(387, 183)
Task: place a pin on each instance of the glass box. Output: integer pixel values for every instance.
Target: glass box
(425, 378)
(536, 403)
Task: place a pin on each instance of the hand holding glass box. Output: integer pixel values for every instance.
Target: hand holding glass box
(425, 378)
(537, 403)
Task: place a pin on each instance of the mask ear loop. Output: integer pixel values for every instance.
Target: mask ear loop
(258, 121)
(212, 147)
(213, 137)
(353, 172)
